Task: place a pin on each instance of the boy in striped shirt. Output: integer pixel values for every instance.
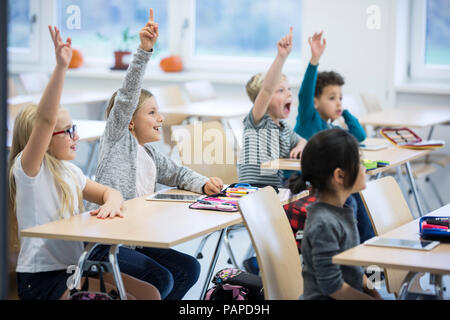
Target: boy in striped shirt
(267, 135)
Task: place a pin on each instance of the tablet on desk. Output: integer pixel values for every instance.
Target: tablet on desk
(402, 243)
(173, 197)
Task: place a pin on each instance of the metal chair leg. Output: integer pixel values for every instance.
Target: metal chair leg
(435, 190)
(198, 253)
(230, 251)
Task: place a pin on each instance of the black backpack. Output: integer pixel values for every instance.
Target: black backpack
(235, 284)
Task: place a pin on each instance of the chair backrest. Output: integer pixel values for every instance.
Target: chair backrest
(34, 82)
(12, 89)
(168, 96)
(204, 147)
(387, 209)
(370, 102)
(200, 90)
(386, 205)
(274, 244)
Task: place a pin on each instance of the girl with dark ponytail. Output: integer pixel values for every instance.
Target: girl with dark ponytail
(331, 167)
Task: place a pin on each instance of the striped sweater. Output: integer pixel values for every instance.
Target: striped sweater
(263, 142)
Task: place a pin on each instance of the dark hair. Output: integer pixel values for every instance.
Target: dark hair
(327, 78)
(324, 152)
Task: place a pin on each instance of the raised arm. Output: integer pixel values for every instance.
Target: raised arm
(307, 114)
(127, 97)
(272, 78)
(47, 112)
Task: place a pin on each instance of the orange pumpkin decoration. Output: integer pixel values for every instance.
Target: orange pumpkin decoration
(171, 64)
(77, 59)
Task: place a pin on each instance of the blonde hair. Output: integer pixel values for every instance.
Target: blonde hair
(254, 85)
(23, 127)
(145, 94)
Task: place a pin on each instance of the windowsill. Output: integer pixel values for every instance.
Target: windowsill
(154, 73)
(424, 87)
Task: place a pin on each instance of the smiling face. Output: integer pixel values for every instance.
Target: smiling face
(329, 103)
(280, 104)
(62, 146)
(147, 122)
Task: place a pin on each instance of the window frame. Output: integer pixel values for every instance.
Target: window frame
(419, 70)
(181, 33)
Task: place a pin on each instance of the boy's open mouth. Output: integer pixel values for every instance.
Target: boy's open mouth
(157, 128)
(287, 107)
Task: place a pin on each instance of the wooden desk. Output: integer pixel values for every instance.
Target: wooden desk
(157, 224)
(416, 117)
(396, 157)
(436, 261)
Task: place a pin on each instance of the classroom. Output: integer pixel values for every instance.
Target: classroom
(225, 150)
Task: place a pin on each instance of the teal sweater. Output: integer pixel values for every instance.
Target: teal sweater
(309, 121)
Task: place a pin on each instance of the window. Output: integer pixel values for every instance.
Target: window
(430, 39)
(241, 34)
(102, 24)
(22, 32)
(244, 27)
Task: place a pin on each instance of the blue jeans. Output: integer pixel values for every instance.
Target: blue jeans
(172, 272)
(365, 229)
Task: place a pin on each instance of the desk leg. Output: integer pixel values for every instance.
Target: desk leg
(413, 187)
(406, 284)
(213, 263)
(436, 279)
(113, 250)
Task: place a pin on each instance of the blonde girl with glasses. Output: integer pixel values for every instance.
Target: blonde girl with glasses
(45, 186)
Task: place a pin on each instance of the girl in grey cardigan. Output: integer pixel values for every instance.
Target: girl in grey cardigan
(127, 162)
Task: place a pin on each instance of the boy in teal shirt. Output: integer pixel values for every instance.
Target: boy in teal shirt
(320, 103)
(320, 98)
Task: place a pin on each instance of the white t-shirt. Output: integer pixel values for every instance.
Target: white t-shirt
(145, 172)
(38, 203)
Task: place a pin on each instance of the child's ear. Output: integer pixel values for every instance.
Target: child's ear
(316, 103)
(131, 125)
(339, 176)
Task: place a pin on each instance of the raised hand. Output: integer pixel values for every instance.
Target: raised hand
(285, 44)
(63, 51)
(149, 34)
(317, 47)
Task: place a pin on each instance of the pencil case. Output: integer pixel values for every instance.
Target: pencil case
(215, 204)
(435, 228)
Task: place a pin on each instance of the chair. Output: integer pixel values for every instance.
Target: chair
(274, 243)
(215, 158)
(199, 90)
(34, 82)
(387, 209)
(167, 97)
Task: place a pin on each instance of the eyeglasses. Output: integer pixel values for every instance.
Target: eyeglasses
(71, 131)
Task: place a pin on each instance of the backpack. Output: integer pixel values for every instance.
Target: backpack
(235, 284)
(296, 214)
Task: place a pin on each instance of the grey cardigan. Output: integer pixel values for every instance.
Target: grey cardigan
(118, 147)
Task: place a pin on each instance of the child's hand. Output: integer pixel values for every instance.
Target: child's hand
(110, 209)
(213, 185)
(317, 47)
(149, 34)
(285, 44)
(296, 152)
(63, 51)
